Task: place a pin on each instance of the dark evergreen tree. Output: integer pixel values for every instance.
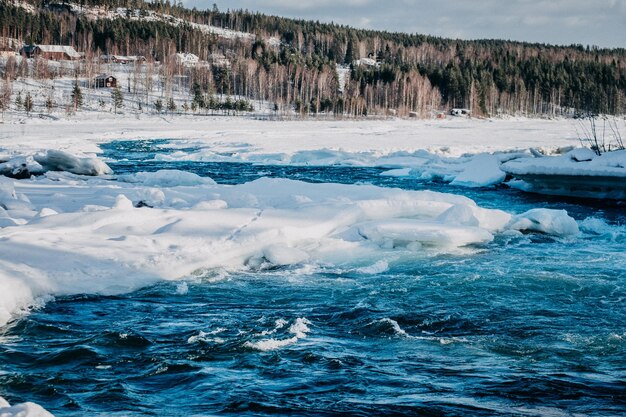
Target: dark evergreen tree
(118, 99)
(77, 97)
(28, 103)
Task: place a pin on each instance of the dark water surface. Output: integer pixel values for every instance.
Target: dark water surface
(529, 326)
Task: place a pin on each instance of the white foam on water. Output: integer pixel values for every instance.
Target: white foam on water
(377, 268)
(182, 288)
(207, 337)
(299, 329)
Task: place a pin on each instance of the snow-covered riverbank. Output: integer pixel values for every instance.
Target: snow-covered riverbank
(249, 139)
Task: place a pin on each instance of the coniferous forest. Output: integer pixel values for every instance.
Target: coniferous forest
(297, 64)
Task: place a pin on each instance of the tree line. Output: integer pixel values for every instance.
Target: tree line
(296, 64)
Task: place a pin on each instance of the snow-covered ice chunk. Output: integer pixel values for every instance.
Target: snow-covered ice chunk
(577, 173)
(9, 199)
(401, 232)
(123, 203)
(55, 160)
(459, 214)
(167, 178)
(21, 167)
(152, 197)
(211, 205)
(7, 191)
(552, 222)
(581, 154)
(45, 212)
(281, 255)
(472, 215)
(482, 171)
(578, 162)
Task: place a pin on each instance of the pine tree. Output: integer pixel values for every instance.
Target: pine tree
(349, 58)
(5, 96)
(171, 105)
(198, 96)
(28, 103)
(118, 99)
(158, 105)
(77, 97)
(18, 101)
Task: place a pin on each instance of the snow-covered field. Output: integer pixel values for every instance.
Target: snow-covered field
(253, 138)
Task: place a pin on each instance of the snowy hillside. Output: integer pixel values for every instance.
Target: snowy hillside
(101, 12)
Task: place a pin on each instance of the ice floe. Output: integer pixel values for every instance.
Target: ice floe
(92, 235)
(23, 166)
(578, 173)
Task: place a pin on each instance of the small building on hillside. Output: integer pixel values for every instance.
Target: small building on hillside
(187, 59)
(366, 62)
(105, 81)
(124, 59)
(52, 52)
(219, 60)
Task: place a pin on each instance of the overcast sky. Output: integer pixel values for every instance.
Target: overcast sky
(587, 22)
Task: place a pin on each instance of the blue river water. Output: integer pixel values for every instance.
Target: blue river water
(530, 326)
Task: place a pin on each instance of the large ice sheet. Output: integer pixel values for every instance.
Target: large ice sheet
(66, 235)
(578, 173)
(578, 162)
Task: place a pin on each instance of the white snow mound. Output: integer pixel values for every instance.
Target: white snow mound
(55, 160)
(552, 222)
(482, 171)
(167, 178)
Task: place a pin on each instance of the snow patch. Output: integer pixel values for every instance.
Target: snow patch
(482, 171)
(166, 178)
